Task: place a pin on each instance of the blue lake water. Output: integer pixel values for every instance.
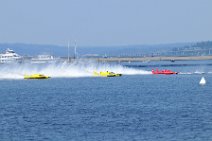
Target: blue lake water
(128, 108)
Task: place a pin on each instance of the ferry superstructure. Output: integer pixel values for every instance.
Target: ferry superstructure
(10, 57)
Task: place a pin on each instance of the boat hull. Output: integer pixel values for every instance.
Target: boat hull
(165, 72)
(107, 74)
(36, 76)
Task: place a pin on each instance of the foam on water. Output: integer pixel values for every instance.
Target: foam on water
(195, 72)
(74, 69)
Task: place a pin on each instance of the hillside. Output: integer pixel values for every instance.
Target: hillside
(127, 50)
(178, 49)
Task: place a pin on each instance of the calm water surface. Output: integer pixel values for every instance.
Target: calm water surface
(128, 108)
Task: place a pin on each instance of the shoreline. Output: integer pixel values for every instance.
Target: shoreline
(159, 58)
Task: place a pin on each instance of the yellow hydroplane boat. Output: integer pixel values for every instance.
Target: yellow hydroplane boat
(36, 76)
(106, 74)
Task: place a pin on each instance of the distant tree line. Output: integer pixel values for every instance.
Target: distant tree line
(195, 49)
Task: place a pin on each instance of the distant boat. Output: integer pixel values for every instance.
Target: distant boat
(43, 59)
(166, 72)
(10, 57)
(202, 81)
(172, 60)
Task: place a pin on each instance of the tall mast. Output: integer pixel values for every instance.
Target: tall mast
(68, 52)
(75, 50)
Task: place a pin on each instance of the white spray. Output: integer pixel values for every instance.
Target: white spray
(74, 69)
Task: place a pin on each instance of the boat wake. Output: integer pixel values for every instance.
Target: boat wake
(195, 72)
(64, 70)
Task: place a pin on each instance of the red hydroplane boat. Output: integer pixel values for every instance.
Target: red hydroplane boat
(167, 72)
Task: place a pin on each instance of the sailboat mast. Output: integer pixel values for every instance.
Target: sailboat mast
(75, 50)
(68, 51)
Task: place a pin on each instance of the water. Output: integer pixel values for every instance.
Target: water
(129, 108)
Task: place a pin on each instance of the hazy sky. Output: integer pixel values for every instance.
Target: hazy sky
(105, 22)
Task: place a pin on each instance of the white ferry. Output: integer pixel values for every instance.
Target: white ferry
(10, 57)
